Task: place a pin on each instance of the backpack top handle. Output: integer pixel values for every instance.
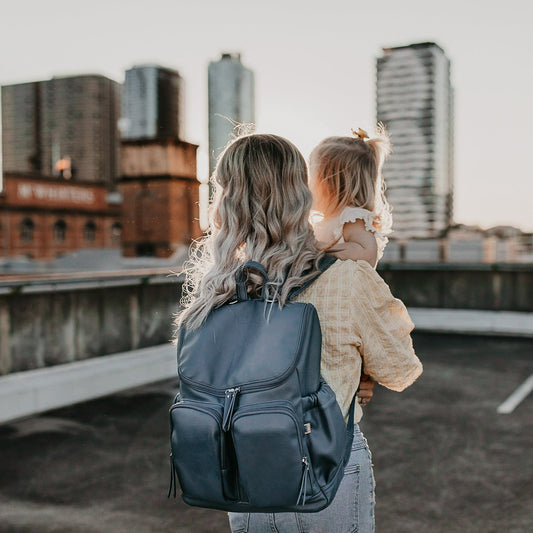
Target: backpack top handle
(240, 278)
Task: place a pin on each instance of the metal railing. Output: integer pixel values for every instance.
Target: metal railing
(32, 283)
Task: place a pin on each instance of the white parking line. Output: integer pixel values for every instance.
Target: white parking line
(521, 393)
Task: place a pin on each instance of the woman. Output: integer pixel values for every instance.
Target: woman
(261, 214)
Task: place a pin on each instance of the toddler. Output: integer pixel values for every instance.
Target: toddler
(349, 204)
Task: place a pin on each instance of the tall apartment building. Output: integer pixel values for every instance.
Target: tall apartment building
(63, 126)
(21, 133)
(415, 102)
(151, 103)
(231, 101)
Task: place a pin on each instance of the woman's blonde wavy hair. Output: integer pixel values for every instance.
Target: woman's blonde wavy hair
(260, 213)
(347, 172)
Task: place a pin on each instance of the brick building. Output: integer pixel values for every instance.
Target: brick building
(42, 217)
(160, 196)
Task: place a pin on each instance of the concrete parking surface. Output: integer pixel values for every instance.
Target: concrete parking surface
(445, 460)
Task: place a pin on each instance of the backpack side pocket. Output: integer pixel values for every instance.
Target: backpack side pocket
(325, 435)
(197, 450)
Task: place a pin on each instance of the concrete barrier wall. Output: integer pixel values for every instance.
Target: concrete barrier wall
(485, 287)
(47, 327)
(44, 325)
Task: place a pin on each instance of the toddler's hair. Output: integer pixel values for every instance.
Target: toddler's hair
(346, 171)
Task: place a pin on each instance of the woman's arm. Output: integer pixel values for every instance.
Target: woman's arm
(384, 327)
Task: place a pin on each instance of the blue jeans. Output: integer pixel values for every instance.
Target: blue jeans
(351, 511)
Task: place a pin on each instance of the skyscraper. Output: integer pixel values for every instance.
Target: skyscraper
(63, 125)
(151, 103)
(415, 102)
(21, 137)
(231, 101)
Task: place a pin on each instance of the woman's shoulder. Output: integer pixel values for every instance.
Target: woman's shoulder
(358, 278)
(357, 270)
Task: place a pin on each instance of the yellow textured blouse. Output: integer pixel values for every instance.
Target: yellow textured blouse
(362, 325)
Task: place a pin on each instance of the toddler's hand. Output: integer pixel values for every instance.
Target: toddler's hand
(366, 389)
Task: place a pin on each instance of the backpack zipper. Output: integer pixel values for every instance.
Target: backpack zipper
(230, 395)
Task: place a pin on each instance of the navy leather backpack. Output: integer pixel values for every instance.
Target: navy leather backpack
(255, 428)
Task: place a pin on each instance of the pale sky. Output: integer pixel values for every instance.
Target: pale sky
(314, 65)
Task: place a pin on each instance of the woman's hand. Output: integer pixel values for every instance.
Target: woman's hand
(366, 390)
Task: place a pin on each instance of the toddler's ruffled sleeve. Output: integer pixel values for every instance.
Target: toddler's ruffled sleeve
(351, 214)
(384, 327)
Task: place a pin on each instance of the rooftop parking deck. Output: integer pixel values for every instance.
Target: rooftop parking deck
(445, 459)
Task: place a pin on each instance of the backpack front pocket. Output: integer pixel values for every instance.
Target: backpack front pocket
(270, 458)
(197, 449)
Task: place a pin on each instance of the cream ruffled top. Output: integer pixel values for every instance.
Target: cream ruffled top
(362, 325)
(329, 230)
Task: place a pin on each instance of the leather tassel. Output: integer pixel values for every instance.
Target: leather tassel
(173, 482)
(303, 485)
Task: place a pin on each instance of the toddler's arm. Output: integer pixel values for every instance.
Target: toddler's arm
(359, 244)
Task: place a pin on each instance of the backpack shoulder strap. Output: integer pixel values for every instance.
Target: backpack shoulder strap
(323, 265)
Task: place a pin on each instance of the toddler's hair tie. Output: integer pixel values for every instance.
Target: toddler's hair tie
(360, 134)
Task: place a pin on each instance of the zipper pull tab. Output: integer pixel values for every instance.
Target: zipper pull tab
(230, 396)
(303, 485)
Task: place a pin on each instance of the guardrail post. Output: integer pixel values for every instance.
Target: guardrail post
(135, 319)
(5, 341)
(496, 289)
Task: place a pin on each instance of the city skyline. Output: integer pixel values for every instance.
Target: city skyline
(314, 71)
